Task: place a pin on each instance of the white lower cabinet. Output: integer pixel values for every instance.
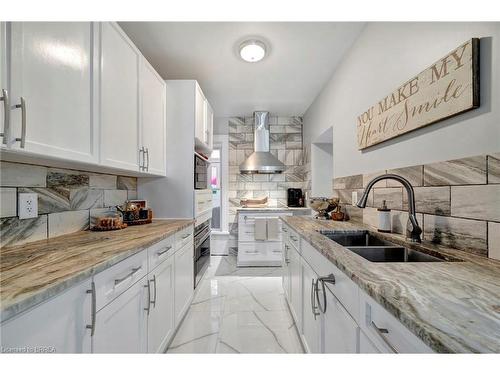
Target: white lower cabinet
(161, 314)
(340, 332)
(311, 318)
(56, 326)
(122, 325)
(286, 269)
(128, 308)
(183, 281)
(332, 314)
(296, 287)
(365, 344)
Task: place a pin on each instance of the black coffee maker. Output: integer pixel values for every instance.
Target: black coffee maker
(295, 198)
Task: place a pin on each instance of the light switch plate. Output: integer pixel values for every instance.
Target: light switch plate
(354, 197)
(27, 205)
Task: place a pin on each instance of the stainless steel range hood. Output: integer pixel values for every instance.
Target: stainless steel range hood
(261, 161)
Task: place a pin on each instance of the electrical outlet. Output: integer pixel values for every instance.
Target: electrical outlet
(354, 197)
(27, 205)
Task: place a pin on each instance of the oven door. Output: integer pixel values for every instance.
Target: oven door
(201, 252)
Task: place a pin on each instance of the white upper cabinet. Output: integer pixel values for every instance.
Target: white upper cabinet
(153, 120)
(119, 91)
(203, 121)
(52, 89)
(209, 130)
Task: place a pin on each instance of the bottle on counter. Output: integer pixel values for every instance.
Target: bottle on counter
(384, 218)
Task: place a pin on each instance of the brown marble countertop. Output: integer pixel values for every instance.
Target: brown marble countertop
(37, 271)
(452, 306)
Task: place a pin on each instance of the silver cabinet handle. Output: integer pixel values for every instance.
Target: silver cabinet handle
(284, 230)
(324, 279)
(185, 236)
(141, 158)
(6, 117)
(91, 326)
(22, 105)
(293, 238)
(161, 252)
(153, 301)
(313, 303)
(277, 251)
(149, 296)
(134, 270)
(147, 159)
(381, 332)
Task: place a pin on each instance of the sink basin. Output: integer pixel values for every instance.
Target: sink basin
(387, 254)
(376, 249)
(355, 238)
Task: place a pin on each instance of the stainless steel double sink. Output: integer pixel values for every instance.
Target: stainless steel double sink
(376, 249)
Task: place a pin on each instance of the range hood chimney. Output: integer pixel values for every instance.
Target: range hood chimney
(261, 161)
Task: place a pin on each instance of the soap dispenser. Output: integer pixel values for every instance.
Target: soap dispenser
(384, 218)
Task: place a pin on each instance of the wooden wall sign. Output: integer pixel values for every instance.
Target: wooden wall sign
(448, 87)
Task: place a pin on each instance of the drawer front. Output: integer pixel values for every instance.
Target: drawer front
(202, 200)
(160, 251)
(183, 237)
(252, 251)
(117, 279)
(346, 291)
(385, 331)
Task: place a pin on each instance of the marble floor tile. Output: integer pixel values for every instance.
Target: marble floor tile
(237, 310)
(198, 333)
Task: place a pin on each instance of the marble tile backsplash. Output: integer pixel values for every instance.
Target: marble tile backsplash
(285, 144)
(68, 200)
(457, 201)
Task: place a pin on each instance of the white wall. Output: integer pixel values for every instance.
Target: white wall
(322, 166)
(384, 57)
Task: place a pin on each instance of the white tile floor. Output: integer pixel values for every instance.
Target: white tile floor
(237, 310)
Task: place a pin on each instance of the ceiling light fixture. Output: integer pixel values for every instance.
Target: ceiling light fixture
(252, 50)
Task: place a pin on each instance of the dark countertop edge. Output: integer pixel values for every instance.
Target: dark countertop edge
(52, 291)
(433, 341)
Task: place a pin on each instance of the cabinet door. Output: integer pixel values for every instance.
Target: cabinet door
(200, 116)
(119, 83)
(209, 126)
(296, 286)
(311, 318)
(121, 326)
(161, 317)
(55, 326)
(153, 118)
(340, 330)
(286, 280)
(365, 344)
(52, 70)
(184, 280)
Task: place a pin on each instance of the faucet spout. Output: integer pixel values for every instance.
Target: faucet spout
(413, 230)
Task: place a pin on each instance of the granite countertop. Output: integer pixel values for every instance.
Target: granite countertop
(452, 306)
(37, 271)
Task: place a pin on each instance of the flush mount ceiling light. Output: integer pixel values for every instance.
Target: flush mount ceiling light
(252, 50)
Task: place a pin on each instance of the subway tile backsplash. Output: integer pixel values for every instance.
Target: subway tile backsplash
(67, 200)
(457, 201)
